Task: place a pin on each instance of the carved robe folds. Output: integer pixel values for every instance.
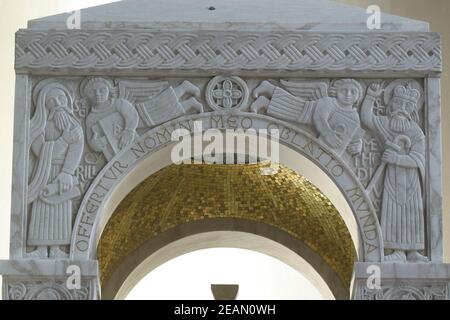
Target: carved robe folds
(51, 212)
(402, 220)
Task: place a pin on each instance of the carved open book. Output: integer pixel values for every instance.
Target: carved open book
(111, 127)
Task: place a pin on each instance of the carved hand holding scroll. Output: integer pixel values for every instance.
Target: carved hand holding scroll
(57, 141)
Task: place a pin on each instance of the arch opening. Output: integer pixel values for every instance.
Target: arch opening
(191, 199)
(194, 262)
(287, 157)
(280, 246)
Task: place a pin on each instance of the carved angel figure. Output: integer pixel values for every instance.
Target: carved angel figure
(112, 121)
(331, 111)
(57, 141)
(403, 165)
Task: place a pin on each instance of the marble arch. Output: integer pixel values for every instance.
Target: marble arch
(98, 203)
(129, 273)
(362, 105)
(288, 157)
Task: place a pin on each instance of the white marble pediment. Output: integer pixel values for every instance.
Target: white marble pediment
(232, 15)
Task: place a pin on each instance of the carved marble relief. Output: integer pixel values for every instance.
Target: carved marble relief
(112, 121)
(47, 290)
(404, 291)
(57, 140)
(388, 153)
(403, 168)
(80, 124)
(225, 50)
(227, 93)
(77, 126)
(94, 106)
(334, 118)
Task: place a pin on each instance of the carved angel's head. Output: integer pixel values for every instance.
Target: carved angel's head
(98, 90)
(348, 92)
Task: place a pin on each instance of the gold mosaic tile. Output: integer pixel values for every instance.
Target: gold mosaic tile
(185, 193)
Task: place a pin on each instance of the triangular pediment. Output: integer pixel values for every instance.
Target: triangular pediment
(267, 15)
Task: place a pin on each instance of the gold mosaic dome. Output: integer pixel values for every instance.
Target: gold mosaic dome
(180, 194)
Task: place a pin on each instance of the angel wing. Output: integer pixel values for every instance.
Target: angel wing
(139, 91)
(307, 90)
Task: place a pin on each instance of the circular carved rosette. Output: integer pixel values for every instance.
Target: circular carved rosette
(225, 92)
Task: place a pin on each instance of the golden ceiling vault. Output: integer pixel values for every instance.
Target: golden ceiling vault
(180, 194)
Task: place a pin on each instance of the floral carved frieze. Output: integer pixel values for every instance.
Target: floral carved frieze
(147, 50)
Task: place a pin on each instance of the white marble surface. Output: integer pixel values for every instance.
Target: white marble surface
(253, 61)
(45, 268)
(20, 163)
(434, 169)
(88, 219)
(306, 15)
(400, 281)
(402, 271)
